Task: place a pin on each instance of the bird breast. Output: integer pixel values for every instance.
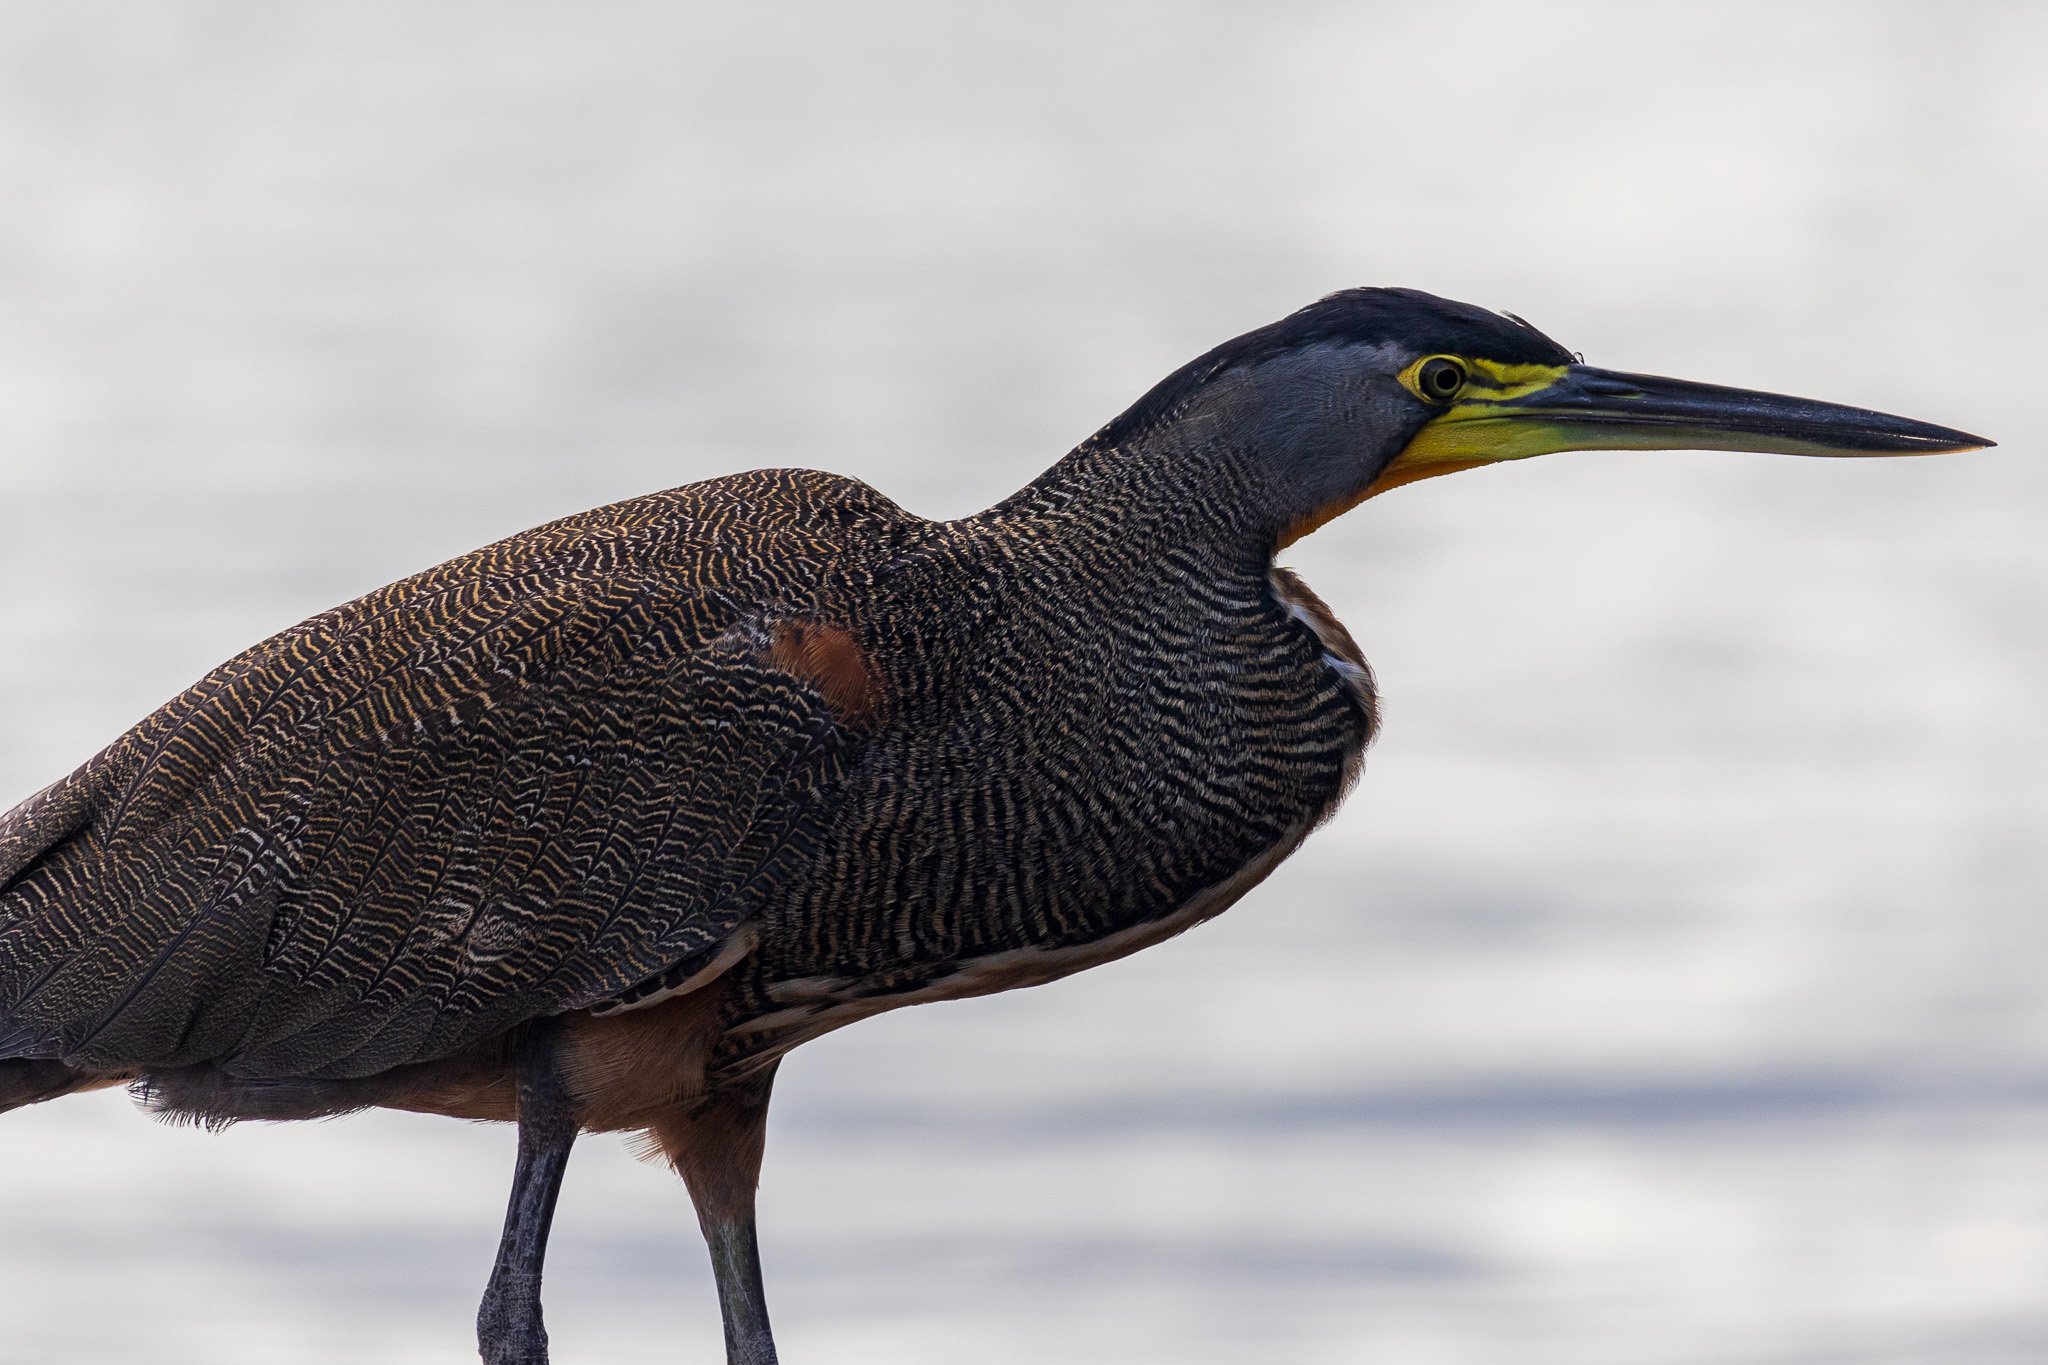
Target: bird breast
(1340, 653)
(1093, 788)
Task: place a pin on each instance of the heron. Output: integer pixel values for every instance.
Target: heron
(586, 829)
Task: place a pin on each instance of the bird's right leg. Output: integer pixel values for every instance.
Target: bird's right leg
(508, 1324)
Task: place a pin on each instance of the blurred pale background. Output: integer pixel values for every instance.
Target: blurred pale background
(1674, 990)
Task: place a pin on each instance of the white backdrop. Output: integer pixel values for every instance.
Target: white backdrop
(1674, 990)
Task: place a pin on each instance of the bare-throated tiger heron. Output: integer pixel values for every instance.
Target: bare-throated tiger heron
(588, 828)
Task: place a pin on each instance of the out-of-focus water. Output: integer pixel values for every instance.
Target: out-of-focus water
(1675, 989)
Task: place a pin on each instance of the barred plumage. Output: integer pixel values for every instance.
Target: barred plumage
(591, 826)
(540, 776)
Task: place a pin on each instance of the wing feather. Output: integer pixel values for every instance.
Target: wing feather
(519, 783)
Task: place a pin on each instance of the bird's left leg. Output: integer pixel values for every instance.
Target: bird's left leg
(716, 1147)
(508, 1324)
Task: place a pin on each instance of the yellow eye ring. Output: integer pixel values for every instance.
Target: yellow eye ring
(1439, 379)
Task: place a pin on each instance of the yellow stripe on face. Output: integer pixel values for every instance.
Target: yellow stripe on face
(1479, 426)
(1488, 381)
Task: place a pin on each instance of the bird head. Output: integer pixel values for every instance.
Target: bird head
(1370, 389)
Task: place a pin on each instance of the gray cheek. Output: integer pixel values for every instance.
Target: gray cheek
(1318, 424)
(1368, 421)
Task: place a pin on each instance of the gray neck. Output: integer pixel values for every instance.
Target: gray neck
(1249, 454)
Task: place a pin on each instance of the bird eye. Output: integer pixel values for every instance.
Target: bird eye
(1440, 379)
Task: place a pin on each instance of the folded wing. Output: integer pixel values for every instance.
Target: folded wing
(517, 784)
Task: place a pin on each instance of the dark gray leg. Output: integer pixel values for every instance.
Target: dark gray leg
(508, 1325)
(736, 1258)
(717, 1149)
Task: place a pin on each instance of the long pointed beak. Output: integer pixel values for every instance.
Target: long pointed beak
(1577, 407)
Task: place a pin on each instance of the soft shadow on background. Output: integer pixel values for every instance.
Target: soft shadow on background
(1674, 990)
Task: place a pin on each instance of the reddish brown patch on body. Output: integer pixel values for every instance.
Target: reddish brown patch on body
(476, 1086)
(828, 658)
(1299, 597)
(23, 1081)
(626, 1070)
(1336, 641)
